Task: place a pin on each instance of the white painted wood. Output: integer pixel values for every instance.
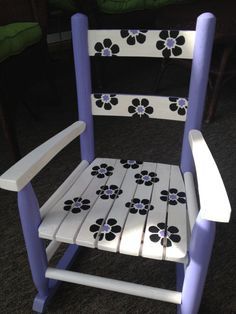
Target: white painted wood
(177, 218)
(57, 214)
(100, 209)
(192, 203)
(70, 226)
(63, 188)
(114, 285)
(134, 227)
(152, 249)
(119, 211)
(52, 248)
(24, 170)
(214, 201)
(160, 106)
(146, 49)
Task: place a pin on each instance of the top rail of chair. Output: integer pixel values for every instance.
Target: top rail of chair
(141, 43)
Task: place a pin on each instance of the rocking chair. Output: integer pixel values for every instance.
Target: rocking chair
(128, 206)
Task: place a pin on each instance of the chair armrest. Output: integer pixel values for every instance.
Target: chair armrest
(214, 202)
(25, 169)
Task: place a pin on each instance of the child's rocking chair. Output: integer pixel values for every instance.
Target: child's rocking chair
(126, 206)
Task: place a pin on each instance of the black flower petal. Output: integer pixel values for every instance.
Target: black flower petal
(98, 47)
(153, 229)
(176, 51)
(181, 111)
(141, 38)
(166, 53)
(154, 237)
(107, 43)
(180, 40)
(94, 228)
(115, 49)
(173, 229)
(109, 236)
(116, 229)
(160, 45)
(131, 40)
(173, 107)
(164, 34)
(175, 238)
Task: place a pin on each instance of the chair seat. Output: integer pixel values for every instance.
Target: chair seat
(126, 206)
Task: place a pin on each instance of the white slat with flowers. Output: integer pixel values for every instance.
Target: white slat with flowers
(140, 106)
(141, 43)
(70, 203)
(122, 205)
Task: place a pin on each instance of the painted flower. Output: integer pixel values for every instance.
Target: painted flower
(106, 100)
(134, 164)
(170, 43)
(76, 205)
(107, 192)
(146, 178)
(140, 108)
(102, 171)
(173, 196)
(107, 49)
(139, 206)
(133, 35)
(108, 229)
(178, 104)
(166, 235)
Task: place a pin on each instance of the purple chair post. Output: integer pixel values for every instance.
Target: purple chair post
(205, 29)
(79, 25)
(30, 220)
(202, 240)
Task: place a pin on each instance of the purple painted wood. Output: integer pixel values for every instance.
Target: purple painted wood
(30, 220)
(41, 302)
(198, 84)
(201, 244)
(79, 25)
(179, 276)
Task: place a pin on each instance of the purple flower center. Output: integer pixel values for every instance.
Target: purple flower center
(77, 204)
(109, 191)
(106, 52)
(133, 32)
(106, 98)
(131, 162)
(181, 103)
(161, 233)
(106, 228)
(170, 42)
(146, 178)
(140, 109)
(139, 206)
(173, 197)
(102, 170)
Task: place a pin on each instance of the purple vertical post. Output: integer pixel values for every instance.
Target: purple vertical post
(205, 29)
(30, 220)
(79, 25)
(201, 244)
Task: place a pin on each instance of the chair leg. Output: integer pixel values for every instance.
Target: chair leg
(179, 276)
(40, 301)
(30, 220)
(199, 256)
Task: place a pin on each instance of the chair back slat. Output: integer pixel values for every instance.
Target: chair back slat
(141, 43)
(139, 106)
